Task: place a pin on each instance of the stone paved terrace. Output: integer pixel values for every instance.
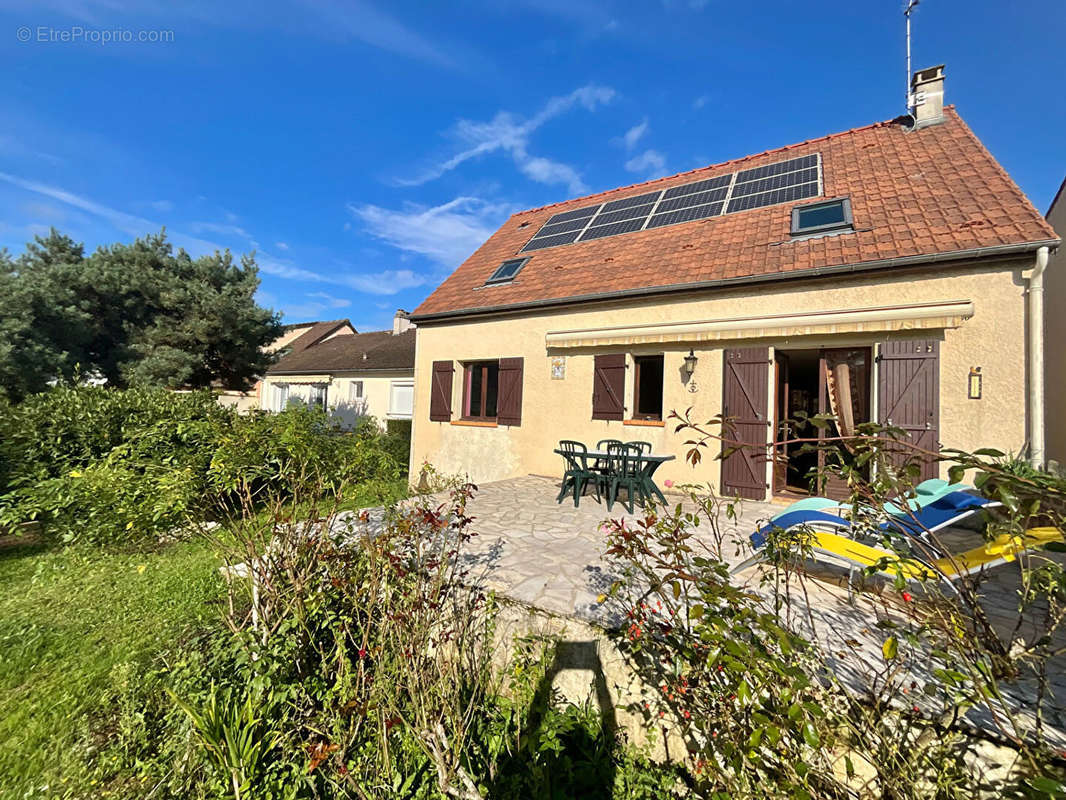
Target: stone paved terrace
(551, 557)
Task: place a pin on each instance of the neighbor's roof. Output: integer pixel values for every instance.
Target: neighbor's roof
(932, 192)
(317, 332)
(374, 350)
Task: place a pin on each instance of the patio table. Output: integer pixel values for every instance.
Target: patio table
(649, 463)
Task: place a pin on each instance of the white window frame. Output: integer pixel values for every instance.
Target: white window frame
(280, 396)
(355, 390)
(312, 398)
(409, 384)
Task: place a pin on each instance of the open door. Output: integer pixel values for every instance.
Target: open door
(745, 398)
(845, 393)
(782, 429)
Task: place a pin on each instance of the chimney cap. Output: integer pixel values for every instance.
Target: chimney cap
(928, 74)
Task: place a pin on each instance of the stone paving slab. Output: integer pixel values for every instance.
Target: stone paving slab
(551, 556)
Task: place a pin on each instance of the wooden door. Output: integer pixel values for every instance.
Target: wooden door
(909, 398)
(744, 408)
(782, 414)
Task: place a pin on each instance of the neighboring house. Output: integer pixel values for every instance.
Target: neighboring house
(1055, 332)
(293, 337)
(876, 274)
(352, 375)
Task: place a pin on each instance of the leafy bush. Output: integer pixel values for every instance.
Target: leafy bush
(109, 465)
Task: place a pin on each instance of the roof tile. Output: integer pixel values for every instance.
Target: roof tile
(913, 193)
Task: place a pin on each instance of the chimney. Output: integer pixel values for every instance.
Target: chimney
(400, 322)
(927, 96)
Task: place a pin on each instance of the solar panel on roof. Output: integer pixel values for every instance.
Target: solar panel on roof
(577, 213)
(551, 241)
(786, 195)
(685, 215)
(778, 167)
(711, 183)
(563, 227)
(689, 200)
(776, 182)
(600, 231)
(636, 212)
(781, 182)
(628, 202)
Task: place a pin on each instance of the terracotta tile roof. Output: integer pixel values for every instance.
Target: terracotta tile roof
(374, 350)
(317, 332)
(919, 193)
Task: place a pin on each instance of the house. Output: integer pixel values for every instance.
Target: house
(1055, 334)
(881, 273)
(290, 334)
(350, 374)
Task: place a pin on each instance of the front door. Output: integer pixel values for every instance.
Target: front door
(746, 422)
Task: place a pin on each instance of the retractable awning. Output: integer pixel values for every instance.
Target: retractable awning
(921, 316)
(300, 378)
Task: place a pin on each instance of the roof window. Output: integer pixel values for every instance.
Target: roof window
(827, 216)
(507, 270)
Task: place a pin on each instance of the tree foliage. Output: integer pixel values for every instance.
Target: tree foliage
(135, 314)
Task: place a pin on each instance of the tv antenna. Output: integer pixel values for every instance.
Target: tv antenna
(907, 11)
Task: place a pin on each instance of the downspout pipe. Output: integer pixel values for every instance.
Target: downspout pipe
(1037, 453)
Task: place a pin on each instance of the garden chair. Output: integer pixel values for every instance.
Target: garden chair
(578, 473)
(645, 447)
(625, 471)
(602, 464)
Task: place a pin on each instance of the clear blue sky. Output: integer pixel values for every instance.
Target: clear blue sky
(364, 148)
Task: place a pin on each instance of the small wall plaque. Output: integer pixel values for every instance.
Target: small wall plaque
(973, 387)
(558, 368)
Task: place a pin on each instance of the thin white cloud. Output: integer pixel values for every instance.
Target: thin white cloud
(330, 300)
(162, 206)
(650, 162)
(380, 283)
(447, 233)
(224, 229)
(635, 134)
(700, 102)
(508, 133)
(281, 245)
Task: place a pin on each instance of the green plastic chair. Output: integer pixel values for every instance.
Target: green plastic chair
(578, 473)
(625, 471)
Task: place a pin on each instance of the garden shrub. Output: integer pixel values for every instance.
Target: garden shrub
(107, 465)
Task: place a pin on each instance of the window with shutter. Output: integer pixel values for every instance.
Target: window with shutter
(609, 386)
(509, 406)
(440, 393)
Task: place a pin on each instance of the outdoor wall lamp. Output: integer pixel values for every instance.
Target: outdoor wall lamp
(690, 363)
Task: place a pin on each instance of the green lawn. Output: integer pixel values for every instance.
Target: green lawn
(85, 634)
(77, 627)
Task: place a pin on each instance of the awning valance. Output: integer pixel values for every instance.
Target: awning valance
(921, 316)
(300, 378)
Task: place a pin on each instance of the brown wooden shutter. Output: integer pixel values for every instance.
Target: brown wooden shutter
(440, 392)
(509, 397)
(909, 396)
(745, 394)
(609, 386)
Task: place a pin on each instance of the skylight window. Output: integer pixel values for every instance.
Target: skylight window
(828, 216)
(507, 270)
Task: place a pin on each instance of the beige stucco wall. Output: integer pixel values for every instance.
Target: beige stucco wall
(377, 387)
(1055, 340)
(561, 409)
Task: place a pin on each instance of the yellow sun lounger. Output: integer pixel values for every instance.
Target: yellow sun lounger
(852, 553)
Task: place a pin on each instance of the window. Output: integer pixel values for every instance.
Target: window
(281, 396)
(401, 399)
(648, 388)
(480, 393)
(507, 270)
(318, 396)
(825, 217)
(355, 391)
